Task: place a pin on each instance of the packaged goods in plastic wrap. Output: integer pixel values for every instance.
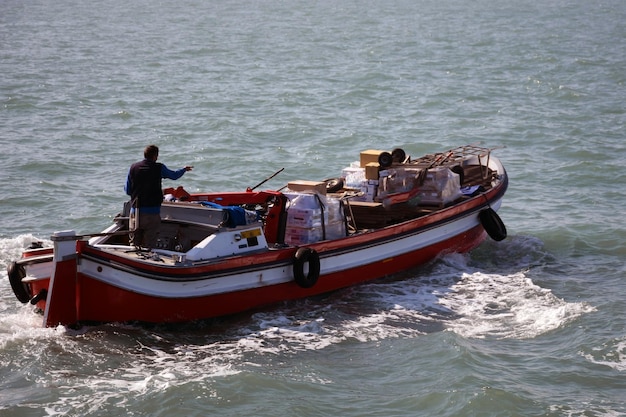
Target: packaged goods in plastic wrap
(353, 176)
(305, 217)
(305, 210)
(397, 180)
(370, 191)
(311, 217)
(440, 187)
(303, 235)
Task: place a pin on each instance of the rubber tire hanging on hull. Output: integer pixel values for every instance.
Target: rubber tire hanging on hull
(16, 273)
(493, 224)
(303, 257)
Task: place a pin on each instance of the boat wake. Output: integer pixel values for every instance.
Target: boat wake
(451, 294)
(11, 249)
(457, 293)
(506, 306)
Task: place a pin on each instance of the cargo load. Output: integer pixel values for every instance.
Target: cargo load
(312, 217)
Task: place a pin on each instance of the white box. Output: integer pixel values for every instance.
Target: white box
(305, 210)
(353, 177)
(306, 235)
(305, 217)
(302, 236)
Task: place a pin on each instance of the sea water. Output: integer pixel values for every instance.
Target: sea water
(530, 326)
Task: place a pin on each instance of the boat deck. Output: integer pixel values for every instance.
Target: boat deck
(373, 215)
(161, 257)
(186, 224)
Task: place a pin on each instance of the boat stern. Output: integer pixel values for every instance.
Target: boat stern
(61, 303)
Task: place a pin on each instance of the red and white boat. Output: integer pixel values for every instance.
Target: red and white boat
(224, 253)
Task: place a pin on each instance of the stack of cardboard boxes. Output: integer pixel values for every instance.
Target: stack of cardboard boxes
(364, 174)
(440, 186)
(311, 215)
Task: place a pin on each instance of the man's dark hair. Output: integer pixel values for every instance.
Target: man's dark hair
(151, 152)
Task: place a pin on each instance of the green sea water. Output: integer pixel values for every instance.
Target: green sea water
(531, 326)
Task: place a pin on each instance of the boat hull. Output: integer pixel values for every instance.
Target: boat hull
(124, 305)
(108, 291)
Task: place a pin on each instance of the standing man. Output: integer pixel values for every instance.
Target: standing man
(143, 185)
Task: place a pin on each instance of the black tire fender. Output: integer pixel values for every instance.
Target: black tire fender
(493, 224)
(306, 257)
(333, 185)
(398, 155)
(385, 160)
(16, 273)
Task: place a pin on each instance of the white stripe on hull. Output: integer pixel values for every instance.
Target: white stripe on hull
(281, 273)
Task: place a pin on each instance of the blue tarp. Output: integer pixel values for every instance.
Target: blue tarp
(471, 190)
(236, 216)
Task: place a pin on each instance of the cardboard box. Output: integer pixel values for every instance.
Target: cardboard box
(368, 156)
(305, 217)
(317, 186)
(304, 235)
(371, 171)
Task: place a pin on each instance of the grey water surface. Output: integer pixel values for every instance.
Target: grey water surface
(531, 326)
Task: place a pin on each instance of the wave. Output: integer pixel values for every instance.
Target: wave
(12, 248)
(507, 306)
(612, 354)
(455, 293)
(489, 293)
